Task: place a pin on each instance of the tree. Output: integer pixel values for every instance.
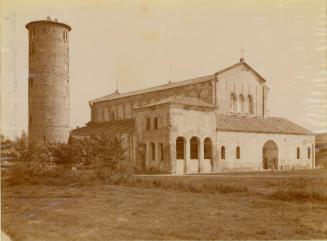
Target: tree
(108, 155)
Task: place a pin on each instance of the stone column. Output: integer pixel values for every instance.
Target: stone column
(172, 154)
(214, 157)
(187, 154)
(201, 156)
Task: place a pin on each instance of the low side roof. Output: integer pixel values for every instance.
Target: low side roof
(259, 124)
(109, 128)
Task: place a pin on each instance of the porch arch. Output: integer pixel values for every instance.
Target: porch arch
(180, 155)
(270, 155)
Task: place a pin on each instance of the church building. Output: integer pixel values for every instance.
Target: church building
(213, 123)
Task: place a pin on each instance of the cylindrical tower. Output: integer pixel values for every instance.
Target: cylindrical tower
(48, 81)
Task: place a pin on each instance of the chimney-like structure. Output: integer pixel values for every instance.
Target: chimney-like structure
(48, 81)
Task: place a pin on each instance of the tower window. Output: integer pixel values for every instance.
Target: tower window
(49, 119)
(31, 119)
(64, 35)
(30, 81)
(32, 50)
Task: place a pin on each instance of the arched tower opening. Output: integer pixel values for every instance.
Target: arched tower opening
(48, 89)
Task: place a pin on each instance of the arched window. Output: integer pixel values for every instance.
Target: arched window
(298, 153)
(250, 104)
(241, 104)
(161, 151)
(207, 148)
(233, 103)
(148, 123)
(180, 143)
(194, 146)
(155, 123)
(31, 119)
(222, 153)
(153, 151)
(309, 152)
(238, 152)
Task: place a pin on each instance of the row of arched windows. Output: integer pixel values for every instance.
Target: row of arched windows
(118, 111)
(194, 148)
(240, 104)
(154, 123)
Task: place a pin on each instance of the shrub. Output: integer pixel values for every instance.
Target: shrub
(102, 154)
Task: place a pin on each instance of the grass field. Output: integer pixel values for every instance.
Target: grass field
(283, 205)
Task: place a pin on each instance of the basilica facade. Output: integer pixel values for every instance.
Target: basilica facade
(208, 124)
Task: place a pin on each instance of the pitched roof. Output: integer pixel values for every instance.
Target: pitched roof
(246, 65)
(259, 124)
(190, 101)
(117, 95)
(152, 89)
(109, 128)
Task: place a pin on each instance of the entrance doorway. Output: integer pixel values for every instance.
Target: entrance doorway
(270, 155)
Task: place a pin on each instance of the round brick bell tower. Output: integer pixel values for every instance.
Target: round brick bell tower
(48, 81)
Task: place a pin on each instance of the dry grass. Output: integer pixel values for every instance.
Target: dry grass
(243, 206)
(168, 183)
(300, 194)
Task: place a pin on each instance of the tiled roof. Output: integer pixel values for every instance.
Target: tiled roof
(181, 100)
(109, 128)
(117, 95)
(258, 124)
(152, 89)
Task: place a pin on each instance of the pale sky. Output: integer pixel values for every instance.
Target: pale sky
(145, 43)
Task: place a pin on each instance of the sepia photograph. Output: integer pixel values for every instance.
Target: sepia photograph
(163, 120)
